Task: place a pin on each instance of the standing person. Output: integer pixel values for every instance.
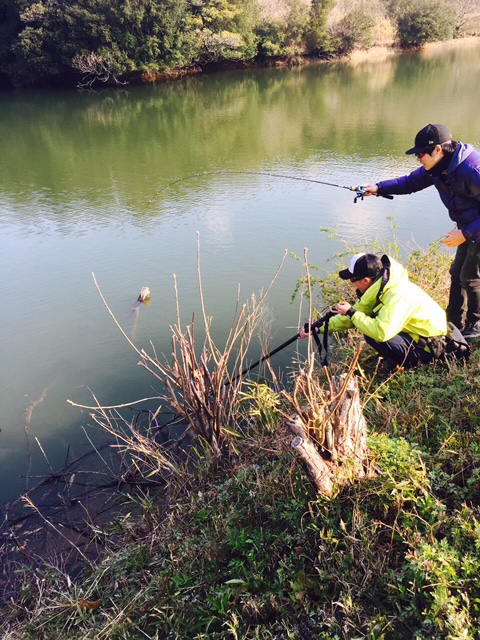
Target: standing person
(454, 169)
(397, 318)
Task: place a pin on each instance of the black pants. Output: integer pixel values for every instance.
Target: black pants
(465, 286)
(401, 349)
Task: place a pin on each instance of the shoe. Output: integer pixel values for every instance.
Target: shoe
(470, 333)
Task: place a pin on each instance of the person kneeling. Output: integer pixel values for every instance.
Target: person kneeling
(397, 318)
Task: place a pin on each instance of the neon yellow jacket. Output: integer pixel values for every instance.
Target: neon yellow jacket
(402, 306)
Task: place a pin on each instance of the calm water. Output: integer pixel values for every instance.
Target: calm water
(81, 179)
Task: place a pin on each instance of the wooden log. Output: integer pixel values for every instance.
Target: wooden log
(342, 456)
(317, 467)
(296, 426)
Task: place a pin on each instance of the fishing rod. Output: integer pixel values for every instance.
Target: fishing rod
(359, 191)
(266, 357)
(314, 329)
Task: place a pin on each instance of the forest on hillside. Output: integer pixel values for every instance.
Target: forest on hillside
(86, 42)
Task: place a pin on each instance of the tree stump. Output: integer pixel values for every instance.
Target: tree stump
(318, 469)
(337, 453)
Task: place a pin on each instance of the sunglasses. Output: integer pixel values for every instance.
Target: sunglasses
(427, 152)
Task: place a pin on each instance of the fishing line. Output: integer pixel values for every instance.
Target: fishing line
(360, 191)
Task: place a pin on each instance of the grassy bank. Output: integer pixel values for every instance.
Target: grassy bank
(242, 547)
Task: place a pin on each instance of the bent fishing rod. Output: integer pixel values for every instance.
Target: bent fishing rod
(359, 190)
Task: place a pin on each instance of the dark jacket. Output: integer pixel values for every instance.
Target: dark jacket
(459, 188)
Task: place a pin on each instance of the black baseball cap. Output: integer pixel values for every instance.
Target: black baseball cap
(362, 265)
(430, 136)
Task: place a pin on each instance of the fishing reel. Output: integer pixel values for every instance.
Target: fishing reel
(360, 193)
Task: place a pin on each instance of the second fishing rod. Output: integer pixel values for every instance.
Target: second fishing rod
(313, 328)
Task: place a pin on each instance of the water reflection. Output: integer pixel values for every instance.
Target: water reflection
(118, 141)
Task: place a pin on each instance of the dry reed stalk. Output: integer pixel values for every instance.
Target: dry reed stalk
(30, 504)
(200, 385)
(146, 453)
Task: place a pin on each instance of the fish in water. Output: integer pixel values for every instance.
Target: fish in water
(144, 294)
(143, 298)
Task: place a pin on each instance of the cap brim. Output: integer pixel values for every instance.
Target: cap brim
(412, 150)
(345, 274)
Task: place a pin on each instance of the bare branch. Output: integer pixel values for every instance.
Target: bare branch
(95, 68)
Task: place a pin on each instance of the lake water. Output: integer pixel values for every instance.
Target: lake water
(83, 190)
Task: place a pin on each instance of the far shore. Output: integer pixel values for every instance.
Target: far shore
(376, 53)
(381, 52)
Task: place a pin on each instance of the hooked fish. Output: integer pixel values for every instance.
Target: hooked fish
(143, 298)
(144, 294)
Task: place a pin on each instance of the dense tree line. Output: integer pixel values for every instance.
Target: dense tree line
(86, 41)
